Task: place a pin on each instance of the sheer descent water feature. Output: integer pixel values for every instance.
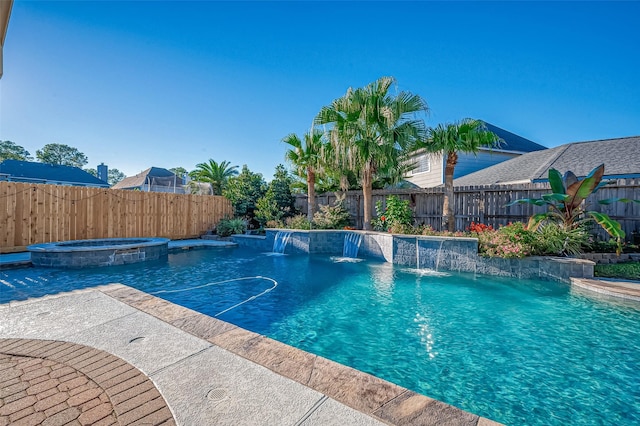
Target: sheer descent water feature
(280, 241)
(351, 245)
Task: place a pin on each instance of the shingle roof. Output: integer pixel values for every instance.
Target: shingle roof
(513, 142)
(31, 171)
(152, 173)
(621, 158)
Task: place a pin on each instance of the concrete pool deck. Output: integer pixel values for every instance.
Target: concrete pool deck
(141, 358)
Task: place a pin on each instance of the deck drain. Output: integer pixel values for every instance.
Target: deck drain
(42, 314)
(217, 395)
(137, 339)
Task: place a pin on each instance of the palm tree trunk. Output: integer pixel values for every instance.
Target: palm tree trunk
(367, 195)
(448, 212)
(311, 193)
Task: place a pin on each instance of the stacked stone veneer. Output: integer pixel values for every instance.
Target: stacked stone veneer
(92, 256)
(611, 257)
(552, 268)
(441, 253)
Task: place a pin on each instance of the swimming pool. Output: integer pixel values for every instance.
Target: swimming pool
(516, 351)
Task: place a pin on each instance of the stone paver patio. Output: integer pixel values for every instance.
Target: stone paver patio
(58, 383)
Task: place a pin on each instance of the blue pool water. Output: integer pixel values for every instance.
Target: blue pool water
(516, 351)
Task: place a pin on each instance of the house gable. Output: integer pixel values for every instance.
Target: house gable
(512, 142)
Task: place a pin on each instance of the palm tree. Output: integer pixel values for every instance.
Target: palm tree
(466, 136)
(306, 157)
(215, 174)
(370, 130)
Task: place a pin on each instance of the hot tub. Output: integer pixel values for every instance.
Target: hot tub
(98, 252)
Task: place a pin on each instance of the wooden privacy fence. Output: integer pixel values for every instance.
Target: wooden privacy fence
(36, 213)
(486, 204)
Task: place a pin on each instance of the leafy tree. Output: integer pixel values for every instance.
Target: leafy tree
(306, 157)
(113, 175)
(12, 151)
(179, 171)
(465, 136)
(278, 203)
(64, 155)
(216, 174)
(370, 132)
(244, 191)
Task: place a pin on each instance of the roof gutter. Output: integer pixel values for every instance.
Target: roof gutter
(5, 12)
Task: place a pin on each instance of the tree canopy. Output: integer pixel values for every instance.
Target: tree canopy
(179, 171)
(370, 131)
(466, 136)
(12, 151)
(61, 154)
(244, 191)
(306, 156)
(277, 203)
(216, 174)
(113, 175)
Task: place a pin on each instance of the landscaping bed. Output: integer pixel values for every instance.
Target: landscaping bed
(627, 270)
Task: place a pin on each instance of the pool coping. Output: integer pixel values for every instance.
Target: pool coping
(368, 394)
(628, 290)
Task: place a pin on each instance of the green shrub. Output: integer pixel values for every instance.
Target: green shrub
(228, 227)
(554, 239)
(510, 241)
(274, 224)
(332, 217)
(627, 270)
(397, 215)
(299, 221)
(596, 245)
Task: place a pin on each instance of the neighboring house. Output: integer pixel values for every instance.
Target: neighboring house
(154, 179)
(621, 158)
(33, 172)
(430, 167)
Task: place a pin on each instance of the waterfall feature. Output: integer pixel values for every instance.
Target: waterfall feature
(280, 241)
(438, 255)
(429, 257)
(352, 243)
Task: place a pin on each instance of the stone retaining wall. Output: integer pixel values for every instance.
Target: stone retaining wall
(610, 257)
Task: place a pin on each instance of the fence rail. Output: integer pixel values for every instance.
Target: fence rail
(37, 213)
(487, 204)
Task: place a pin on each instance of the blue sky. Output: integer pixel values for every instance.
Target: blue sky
(166, 84)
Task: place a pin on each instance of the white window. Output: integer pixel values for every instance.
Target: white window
(422, 163)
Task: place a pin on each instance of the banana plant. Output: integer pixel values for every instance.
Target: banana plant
(566, 207)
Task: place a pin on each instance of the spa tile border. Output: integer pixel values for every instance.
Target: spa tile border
(368, 394)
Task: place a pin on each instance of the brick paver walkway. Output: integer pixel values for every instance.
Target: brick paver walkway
(59, 383)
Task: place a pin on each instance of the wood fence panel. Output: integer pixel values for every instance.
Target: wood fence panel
(18, 224)
(36, 213)
(488, 204)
